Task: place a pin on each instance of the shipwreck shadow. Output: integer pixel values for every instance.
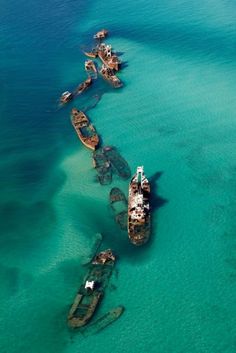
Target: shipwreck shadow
(96, 99)
(124, 64)
(120, 53)
(156, 201)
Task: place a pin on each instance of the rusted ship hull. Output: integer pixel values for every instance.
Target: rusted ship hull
(91, 146)
(91, 54)
(112, 63)
(92, 290)
(108, 58)
(139, 233)
(114, 83)
(66, 97)
(83, 86)
(100, 34)
(109, 76)
(139, 220)
(81, 312)
(90, 66)
(84, 129)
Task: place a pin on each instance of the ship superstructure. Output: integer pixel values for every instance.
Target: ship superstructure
(108, 57)
(139, 208)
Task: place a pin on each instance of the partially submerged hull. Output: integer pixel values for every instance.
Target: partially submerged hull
(91, 54)
(109, 75)
(83, 308)
(118, 163)
(84, 129)
(66, 97)
(119, 206)
(102, 167)
(100, 34)
(139, 220)
(83, 86)
(91, 290)
(90, 66)
(112, 62)
(103, 321)
(108, 58)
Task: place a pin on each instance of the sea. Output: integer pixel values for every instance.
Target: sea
(176, 116)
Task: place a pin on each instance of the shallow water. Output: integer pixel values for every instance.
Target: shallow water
(176, 116)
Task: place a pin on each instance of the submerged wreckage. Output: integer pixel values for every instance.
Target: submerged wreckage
(101, 34)
(83, 86)
(107, 161)
(118, 163)
(102, 166)
(92, 289)
(68, 96)
(103, 321)
(119, 205)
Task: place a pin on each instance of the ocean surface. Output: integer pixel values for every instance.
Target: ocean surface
(176, 115)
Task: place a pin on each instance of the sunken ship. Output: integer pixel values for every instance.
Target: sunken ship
(84, 129)
(92, 289)
(139, 208)
(103, 321)
(101, 34)
(118, 203)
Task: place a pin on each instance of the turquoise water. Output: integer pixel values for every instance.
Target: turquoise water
(176, 116)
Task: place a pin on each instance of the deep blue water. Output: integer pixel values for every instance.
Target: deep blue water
(176, 116)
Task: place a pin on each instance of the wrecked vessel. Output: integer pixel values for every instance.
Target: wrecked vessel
(139, 208)
(92, 289)
(108, 58)
(102, 166)
(103, 321)
(83, 86)
(66, 97)
(90, 66)
(101, 34)
(84, 129)
(119, 206)
(91, 54)
(109, 75)
(118, 163)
